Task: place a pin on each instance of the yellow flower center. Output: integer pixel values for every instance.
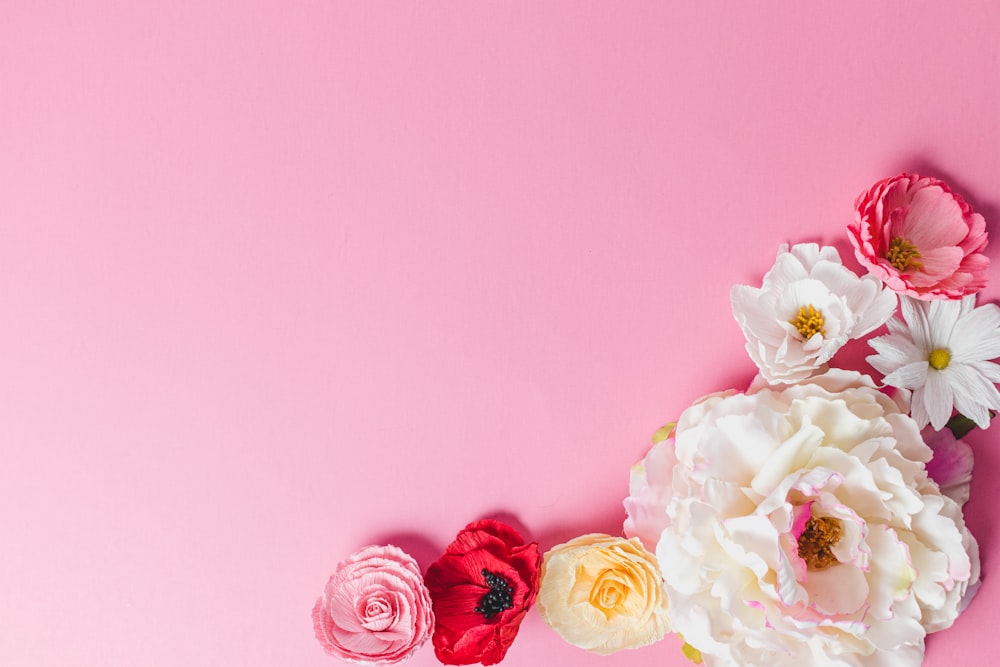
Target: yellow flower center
(809, 322)
(817, 540)
(903, 255)
(939, 358)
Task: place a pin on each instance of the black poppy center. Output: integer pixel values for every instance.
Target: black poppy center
(499, 598)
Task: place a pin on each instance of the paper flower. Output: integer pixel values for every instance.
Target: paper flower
(803, 530)
(482, 587)
(650, 489)
(375, 608)
(951, 466)
(603, 594)
(809, 305)
(921, 238)
(941, 351)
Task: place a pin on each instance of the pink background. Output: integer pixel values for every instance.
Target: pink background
(279, 280)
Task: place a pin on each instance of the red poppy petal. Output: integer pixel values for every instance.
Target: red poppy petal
(457, 584)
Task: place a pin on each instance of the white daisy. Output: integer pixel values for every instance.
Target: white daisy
(941, 350)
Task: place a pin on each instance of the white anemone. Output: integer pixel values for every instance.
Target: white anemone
(808, 307)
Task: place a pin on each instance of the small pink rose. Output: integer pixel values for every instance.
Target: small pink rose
(920, 238)
(375, 608)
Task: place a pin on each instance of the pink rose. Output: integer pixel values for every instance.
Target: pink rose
(375, 608)
(920, 238)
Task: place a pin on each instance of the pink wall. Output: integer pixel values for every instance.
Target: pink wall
(278, 280)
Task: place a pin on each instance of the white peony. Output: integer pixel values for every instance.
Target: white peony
(808, 307)
(802, 529)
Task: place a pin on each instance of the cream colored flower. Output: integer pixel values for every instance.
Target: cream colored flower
(803, 529)
(603, 594)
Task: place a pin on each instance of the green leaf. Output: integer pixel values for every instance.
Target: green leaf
(665, 432)
(961, 426)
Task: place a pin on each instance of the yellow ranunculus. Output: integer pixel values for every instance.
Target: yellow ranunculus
(603, 594)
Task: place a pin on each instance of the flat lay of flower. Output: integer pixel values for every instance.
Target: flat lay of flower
(942, 351)
(809, 306)
(921, 238)
(375, 608)
(814, 517)
(603, 594)
(481, 588)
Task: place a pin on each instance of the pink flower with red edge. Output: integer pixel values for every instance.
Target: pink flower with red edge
(481, 588)
(375, 608)
(920, 238)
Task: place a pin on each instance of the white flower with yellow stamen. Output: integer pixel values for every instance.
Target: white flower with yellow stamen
(808, 307)
(800, 527)
(941, 350)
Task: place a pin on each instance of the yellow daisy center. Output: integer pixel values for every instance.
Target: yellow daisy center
(903, 255)
(809, 322)
(817, 540)
(939, 358)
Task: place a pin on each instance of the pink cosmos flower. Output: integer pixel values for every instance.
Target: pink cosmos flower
(375, 608)
(920, 238)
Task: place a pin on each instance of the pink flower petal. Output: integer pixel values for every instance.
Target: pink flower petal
(951, 466)
(946, 233)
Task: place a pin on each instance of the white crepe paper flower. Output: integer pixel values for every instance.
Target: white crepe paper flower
(808, 307)
(941, 350)
(801, 528)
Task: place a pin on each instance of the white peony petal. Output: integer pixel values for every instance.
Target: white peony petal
(891, 569)
(841, 589)
(877, 312)
(845, 284)
(809, 254)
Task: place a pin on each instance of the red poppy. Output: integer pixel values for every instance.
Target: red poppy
(481, 588)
